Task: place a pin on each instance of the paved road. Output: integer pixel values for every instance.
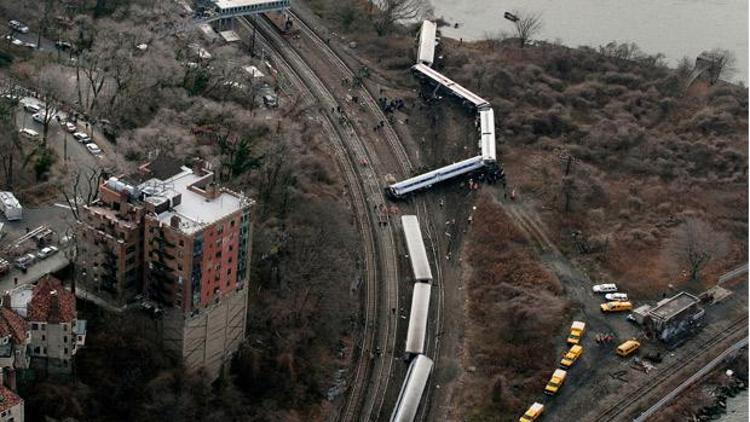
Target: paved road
(734, 273)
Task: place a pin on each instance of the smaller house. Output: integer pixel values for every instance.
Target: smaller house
(11, 406)
(56, 333)
(14, 339)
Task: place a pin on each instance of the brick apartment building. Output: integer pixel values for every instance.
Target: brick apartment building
(171, 234)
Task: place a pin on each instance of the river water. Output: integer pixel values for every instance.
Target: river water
(675, 28)
(737, 408)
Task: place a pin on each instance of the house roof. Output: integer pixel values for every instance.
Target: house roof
(8, 398)
(50, 302)
(11, 324)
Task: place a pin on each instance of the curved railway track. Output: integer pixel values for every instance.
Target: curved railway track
(367, 404)
(624, 407)
(380, 323)
(305, 85)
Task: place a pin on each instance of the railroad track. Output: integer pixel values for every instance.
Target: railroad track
(622, 408)
(380, 326)
(405, 168)
(359, 199)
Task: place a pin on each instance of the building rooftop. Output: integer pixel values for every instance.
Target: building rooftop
(8, 398)
(9, 200)
(11, 324)
(190, 200)
(51, 302)
(673, 306)
(224, 4)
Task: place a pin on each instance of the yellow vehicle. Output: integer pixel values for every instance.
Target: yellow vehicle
(628, 348)
(572, 356)
(576, 332)
(557, 380)
(617, 306)
(533, 413)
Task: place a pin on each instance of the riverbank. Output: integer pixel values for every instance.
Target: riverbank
(677, 29)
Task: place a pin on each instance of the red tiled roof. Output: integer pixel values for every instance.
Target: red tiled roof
(8, 398)
(50, 302)
(11, 324)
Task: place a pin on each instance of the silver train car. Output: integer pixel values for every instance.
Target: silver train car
(426, 72)
(487, 129)
(416, 334)
(412, 389)
(420, 265)
(427, 43)
(426, 180)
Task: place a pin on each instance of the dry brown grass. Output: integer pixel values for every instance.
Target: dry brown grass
(514, 309)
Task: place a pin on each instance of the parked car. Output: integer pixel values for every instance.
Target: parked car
(32, 108)
(270, 100)
(38, 117)
(25, 261)
(18, 26)
(554, 384)
(576, 332)
(47, 252)
(533, 413)
(94, 148)
(627, 348)
(28, 44)
(604, 288)
(572, 356)
(616, 306)
(70, 127)
(29, 133)
(63, 45)
(616, 297)
(82, 137)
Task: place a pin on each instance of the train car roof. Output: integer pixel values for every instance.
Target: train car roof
(420, 265)
(420, 309)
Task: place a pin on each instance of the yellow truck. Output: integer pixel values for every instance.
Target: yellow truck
(533, 413)
(628, 348)
(616, 306)
(572, 356)
(557, 380)
(576, 332)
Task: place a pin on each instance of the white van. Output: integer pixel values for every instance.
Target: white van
(29, 133)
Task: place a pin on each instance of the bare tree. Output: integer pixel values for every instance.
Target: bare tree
(81, 189)
(718, 64)
(388, 12)
(527, 26)
(694, 244)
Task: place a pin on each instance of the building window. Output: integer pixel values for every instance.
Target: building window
(65, 339)
(65, 327)
(34, 326)
(65, 351)
(182, 242)
(44, 337)
(44, 327)
(229, 271)
(231, 223)
(218, 254)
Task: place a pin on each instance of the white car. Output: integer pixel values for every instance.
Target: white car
(18, 26)
(29, 133)
(94, 148)
(32, 108)
(82, 137)
(616, 297)
(29, 44)
(70, 127)
(604, 288)
(47, 251)
(38, 117)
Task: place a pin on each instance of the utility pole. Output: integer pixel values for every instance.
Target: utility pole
(252, 44)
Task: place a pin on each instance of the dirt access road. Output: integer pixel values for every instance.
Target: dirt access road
(601, 381)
